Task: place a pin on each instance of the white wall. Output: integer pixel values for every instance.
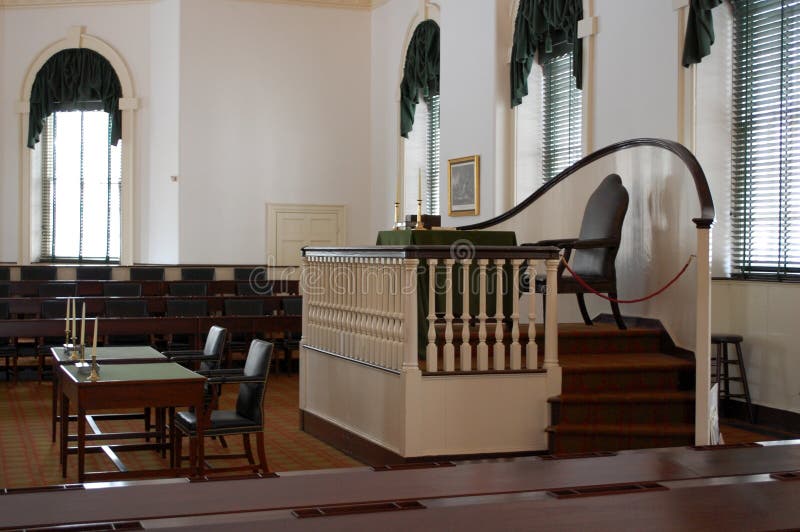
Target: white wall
(274, 108)
(159, 208)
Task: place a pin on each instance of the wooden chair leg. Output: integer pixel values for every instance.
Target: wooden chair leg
(222, 442)
(616, 312)
(248, 450)
(262, 454)
(193, 454)
(147, 423)
(584, 312)
(177, 450)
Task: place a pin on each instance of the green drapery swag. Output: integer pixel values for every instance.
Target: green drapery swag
(699, 31)
(420, 73)
(549, 27)
(75, 79)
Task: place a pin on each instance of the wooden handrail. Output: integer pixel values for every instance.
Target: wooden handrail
(435, 252)
(705, 220)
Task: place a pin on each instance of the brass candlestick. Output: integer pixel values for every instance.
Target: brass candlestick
(94, 376)
(419, 215)
(396, 215)
(73, 347)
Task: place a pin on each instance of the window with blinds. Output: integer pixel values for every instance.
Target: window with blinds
(432, 158)
(81, 186)
(765, 160)
(561, 104)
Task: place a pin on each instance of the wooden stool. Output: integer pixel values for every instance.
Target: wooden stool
(723, 377)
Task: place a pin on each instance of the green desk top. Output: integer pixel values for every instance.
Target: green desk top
(443, 238)
(136, 352)
(157, 371)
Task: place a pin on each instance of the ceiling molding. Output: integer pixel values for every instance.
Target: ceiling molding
(344, 4)
(66, 3)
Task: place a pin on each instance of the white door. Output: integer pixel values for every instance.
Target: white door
(291, 227)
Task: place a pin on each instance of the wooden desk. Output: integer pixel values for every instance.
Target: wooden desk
(105, 355)
(159, 385)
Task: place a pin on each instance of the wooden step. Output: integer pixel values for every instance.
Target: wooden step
(624, 408)
(625, 372)
(572, 438)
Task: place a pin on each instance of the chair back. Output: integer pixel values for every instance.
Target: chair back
(115, 289)
(54, 308)
(93, 273)
(37, 273)
(5, 290)
(250, 401)
(147, 274)
(215, 345)
(242, 274)
(5, 273)
(244, 307)
(293, 306)
(197, 274)
(187, 307)
(187, 289)
(58, 290)
(4, 311)
(126, 308)
(250, 289)
(603, 217)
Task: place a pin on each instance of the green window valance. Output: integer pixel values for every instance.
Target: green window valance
(420, 73)
(76, 79)
(549, 27)
(699, 31)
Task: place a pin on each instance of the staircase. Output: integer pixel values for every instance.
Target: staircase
(620, 391)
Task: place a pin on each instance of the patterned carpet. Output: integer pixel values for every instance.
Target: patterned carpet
(28, 458)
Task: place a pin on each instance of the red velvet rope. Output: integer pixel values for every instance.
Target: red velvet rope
(645, 298)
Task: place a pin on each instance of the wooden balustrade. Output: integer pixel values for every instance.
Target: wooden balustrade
(359, 302)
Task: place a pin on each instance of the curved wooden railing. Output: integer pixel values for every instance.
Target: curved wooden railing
(705, 220)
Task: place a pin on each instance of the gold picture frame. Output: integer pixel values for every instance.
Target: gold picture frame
(464, 186)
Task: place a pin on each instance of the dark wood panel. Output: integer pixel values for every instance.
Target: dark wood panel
(149, 288)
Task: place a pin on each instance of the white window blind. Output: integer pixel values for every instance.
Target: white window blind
(765, 157)
(422, 156)
(81, 186)
(561, 101)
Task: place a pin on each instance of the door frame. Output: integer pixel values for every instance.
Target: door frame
(273, 209)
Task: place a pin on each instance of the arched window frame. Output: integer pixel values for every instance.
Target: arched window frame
(426, 11)
(128, 104)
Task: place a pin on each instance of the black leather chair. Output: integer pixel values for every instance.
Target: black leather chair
(184, 308)
(197, 274)
(37, 273)
(242, 274)
(594, 252)
(8, 347)
(93, 273)
(210, 358)
(187, 289)
(116, 289)
(127, 308)
(58, 290)
(250, 289)
(5, 273)
(247, 418)
(290, 343)
(145, 273)
(242, 307)
(5, 290)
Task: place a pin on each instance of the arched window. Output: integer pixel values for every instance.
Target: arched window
(93, 85)
(419, 119)
(548, 94)
(75, 128)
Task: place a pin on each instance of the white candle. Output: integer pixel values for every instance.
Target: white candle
(419, 185)
(74, 319)
(83, 324)
(66, 317)
(397, 192)
(94, 341)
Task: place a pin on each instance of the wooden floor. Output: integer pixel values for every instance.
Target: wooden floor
(728, 488)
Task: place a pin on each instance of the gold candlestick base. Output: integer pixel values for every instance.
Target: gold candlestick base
(94, 376)
(419, 225)
(396, 215)
(75, 355)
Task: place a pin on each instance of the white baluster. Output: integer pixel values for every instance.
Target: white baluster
(483, 349)
(449, 350)
(386, 315)
(551, 319)
(409, 336)
(399, 288)
(499, 349)
(431, 352)
(531, 350)
(516, 348)
(465, 362)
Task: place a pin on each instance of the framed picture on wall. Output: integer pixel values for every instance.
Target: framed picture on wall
(464, 186)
